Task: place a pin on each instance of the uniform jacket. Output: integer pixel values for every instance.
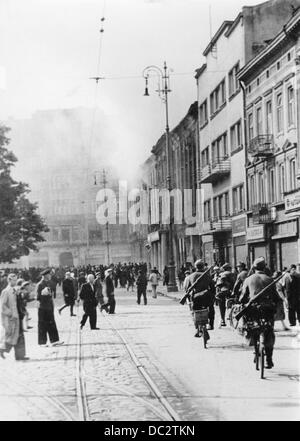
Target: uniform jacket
(9, 317)
(254, 284)
(204, 288)
(44, 295)
(239, 283)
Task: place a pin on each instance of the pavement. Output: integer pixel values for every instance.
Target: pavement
(217, 383)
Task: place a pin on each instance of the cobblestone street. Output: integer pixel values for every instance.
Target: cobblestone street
(219, 383)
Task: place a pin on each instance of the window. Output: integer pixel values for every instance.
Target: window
(207, 211)
(238, 199)
(236, 136)
(279, 114)
(252, 190)
(65, 234)
(278, 65)
(289, 56)
(220, 148)
(281, 181)
(269, 124)
(217, 97)
(267, 73)
(291, 101)
(258, 121)
(232, 80)
(75, 234)
(55, 234)
(221, 205)
(203, 113)
(272, 186)
(261, 187)
(293, 178)
(250, 126)
(205, 157)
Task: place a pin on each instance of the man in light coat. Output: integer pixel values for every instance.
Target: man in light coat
(154, 279)
(11, 335)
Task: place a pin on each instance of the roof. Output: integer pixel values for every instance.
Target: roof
(224, 26)
(283, 37)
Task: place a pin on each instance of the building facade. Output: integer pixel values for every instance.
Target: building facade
(222, 176)
(272, 115)
(183, 170)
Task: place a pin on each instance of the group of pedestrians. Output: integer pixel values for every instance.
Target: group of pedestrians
(223, 287)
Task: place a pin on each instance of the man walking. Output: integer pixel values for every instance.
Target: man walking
(88, 296)
(68, 288)
(153, 279)
(110, 306)
(46, 320)
(141, 283)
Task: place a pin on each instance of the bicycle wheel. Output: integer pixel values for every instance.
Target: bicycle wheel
(262, 362)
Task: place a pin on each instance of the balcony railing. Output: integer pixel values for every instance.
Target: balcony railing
(218, 168)
(222, 223)
(263, 213)
(262, 145)
(217, 224)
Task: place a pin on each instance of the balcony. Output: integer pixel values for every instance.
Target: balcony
(216, 225)
(263, 213)
(219, 168)
(262, 145)
(223, 223)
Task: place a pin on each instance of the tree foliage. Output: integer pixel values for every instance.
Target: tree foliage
(21, 227)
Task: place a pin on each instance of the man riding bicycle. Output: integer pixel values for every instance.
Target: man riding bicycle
(202, 295)
(262, 309)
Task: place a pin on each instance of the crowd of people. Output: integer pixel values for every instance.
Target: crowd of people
(220, 286)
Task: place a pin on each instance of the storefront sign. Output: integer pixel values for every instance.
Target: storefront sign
(239, 225)
(292, 202)
(256, 233)
(153, 237)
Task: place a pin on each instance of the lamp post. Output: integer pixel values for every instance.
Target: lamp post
(163, 91)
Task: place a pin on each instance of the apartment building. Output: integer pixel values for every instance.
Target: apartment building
(272, 114)
(222, 175)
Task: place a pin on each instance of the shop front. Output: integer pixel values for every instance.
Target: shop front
(257, 244)
(240, 251)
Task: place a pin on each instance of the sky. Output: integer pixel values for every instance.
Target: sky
(50, 49)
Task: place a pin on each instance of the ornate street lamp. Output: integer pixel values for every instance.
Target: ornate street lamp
(163, 90)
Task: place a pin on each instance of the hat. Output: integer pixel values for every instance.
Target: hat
(46, 271)
(25, 284)
(226, 267)
(108, 271)
(199, 264)
(241, 264)
(259, 263)
(19, 282)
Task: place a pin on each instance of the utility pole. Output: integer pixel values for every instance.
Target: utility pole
(107, 242)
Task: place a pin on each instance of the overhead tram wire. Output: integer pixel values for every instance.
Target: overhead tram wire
(97, 78)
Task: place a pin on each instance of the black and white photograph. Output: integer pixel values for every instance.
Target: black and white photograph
(149, 213)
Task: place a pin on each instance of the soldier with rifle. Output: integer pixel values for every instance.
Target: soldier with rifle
(260, 295)
(200, 290)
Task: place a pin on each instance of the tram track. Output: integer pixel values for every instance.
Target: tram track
(169, 411)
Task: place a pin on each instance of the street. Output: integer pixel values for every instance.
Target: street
(99, 380)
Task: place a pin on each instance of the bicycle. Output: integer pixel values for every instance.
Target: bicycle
(200, 318)
(258, 330)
